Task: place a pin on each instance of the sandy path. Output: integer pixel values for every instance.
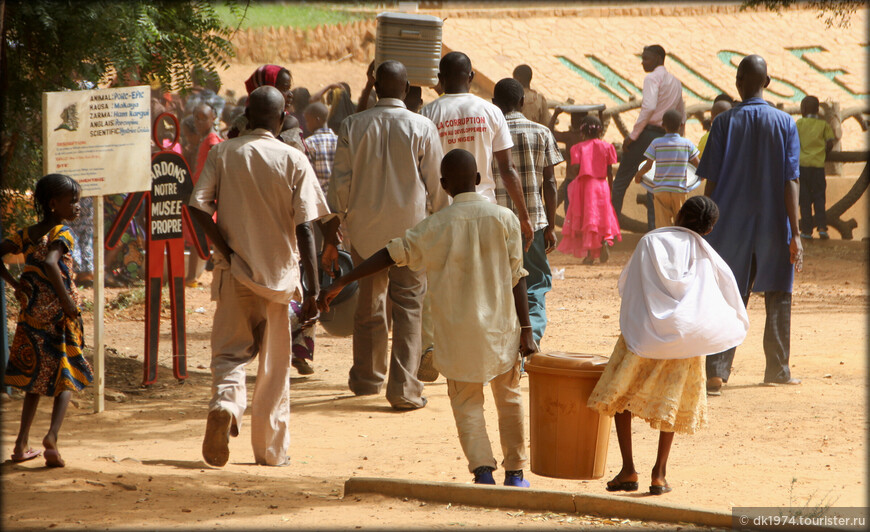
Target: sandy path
(138, 464)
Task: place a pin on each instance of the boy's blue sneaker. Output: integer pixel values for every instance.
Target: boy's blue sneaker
(824, 235)
(483, 475)
(806, 236)
(515, 479)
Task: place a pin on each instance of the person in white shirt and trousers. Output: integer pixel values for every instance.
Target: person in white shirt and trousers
(661, 93)
(473, 258)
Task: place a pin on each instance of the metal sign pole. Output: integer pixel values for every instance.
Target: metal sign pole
(99, 306)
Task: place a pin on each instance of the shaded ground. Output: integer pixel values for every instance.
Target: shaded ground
(139, 465)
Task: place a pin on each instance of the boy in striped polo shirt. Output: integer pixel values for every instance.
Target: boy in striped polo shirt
(672, 155)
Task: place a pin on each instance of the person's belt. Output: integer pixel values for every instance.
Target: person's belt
(657, 129)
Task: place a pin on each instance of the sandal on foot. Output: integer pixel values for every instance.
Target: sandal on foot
(29, 454)
(621, 486)
(659, 490)
(53, 459)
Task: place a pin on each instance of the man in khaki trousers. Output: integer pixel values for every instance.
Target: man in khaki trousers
(261, 189)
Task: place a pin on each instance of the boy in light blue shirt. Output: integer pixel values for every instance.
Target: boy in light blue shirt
(672, 155)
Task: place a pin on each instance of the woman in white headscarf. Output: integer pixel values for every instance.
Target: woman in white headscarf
(680, 303)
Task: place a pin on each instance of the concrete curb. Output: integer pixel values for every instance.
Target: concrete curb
(537, 500)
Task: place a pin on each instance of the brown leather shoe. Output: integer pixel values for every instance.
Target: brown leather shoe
(216, 444)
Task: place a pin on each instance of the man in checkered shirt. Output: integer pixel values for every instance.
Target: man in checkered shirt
(535, 154)
(321, 143)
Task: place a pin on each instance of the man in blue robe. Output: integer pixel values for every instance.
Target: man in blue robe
(751, 163)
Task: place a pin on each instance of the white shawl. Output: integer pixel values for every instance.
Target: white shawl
(679, 298)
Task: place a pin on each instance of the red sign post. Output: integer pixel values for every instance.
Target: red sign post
(166, 208)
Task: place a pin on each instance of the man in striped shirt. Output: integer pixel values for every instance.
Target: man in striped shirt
(672, 155)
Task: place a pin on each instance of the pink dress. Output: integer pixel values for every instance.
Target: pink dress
(590, 218)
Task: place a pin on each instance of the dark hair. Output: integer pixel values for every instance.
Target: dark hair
(698, 213)
(188, 123)
(656, 49)
(723, 97)
(50, 187)
(812, 104)
(508, 91)
(672, 120)
(591, 127)
(523, 74)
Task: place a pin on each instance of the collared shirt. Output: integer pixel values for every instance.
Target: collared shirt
(321, 145)
(672, 154)
(661, 93)
(814, 134)
(752, 152)
(473, 256)
(469, 122)
(534, 149)
(387, 162)
(261, 189)
(535, 107)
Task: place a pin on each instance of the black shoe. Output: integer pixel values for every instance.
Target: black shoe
(605, 251)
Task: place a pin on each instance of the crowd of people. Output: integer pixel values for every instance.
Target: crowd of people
(448, 211)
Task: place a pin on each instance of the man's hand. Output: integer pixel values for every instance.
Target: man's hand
(528, 233)
(550, 238)
(309, 310)
(638, 177)
(370, 74)
(327, 295)
(796, 253)
(329, 259)
(527, 342)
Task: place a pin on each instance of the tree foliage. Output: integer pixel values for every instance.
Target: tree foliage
(53, 45)
(836, 13)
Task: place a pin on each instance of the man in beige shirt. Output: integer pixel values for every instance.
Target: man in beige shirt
(535, 105)
(386, 165)
(261, 190)
(473, 257)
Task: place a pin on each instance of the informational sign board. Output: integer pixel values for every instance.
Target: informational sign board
(100, 138)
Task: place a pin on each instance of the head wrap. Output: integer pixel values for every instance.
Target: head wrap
(265, 75)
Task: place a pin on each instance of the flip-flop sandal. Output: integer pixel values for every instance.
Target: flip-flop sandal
(659, 490)
(29, 454)
(53, 459)
(621, 486)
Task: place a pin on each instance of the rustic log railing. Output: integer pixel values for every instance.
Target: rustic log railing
(831, 112)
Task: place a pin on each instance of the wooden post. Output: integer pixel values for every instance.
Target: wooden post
(831, 115)
(99, 306)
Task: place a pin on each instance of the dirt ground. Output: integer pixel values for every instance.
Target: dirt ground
(138, 464)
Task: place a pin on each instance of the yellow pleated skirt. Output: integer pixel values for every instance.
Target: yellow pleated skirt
(670, 395)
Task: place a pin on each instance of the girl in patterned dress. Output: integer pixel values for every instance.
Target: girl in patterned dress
(46, 356)
(680, 302)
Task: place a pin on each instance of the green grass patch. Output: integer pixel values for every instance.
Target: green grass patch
(262, 14)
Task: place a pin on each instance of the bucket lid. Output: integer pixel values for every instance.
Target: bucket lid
(583, 108)
(411, 18)
(560, 362)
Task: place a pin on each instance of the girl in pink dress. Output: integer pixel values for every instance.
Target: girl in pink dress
(590, 222)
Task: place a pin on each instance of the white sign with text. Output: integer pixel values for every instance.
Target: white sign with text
(100, 138)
